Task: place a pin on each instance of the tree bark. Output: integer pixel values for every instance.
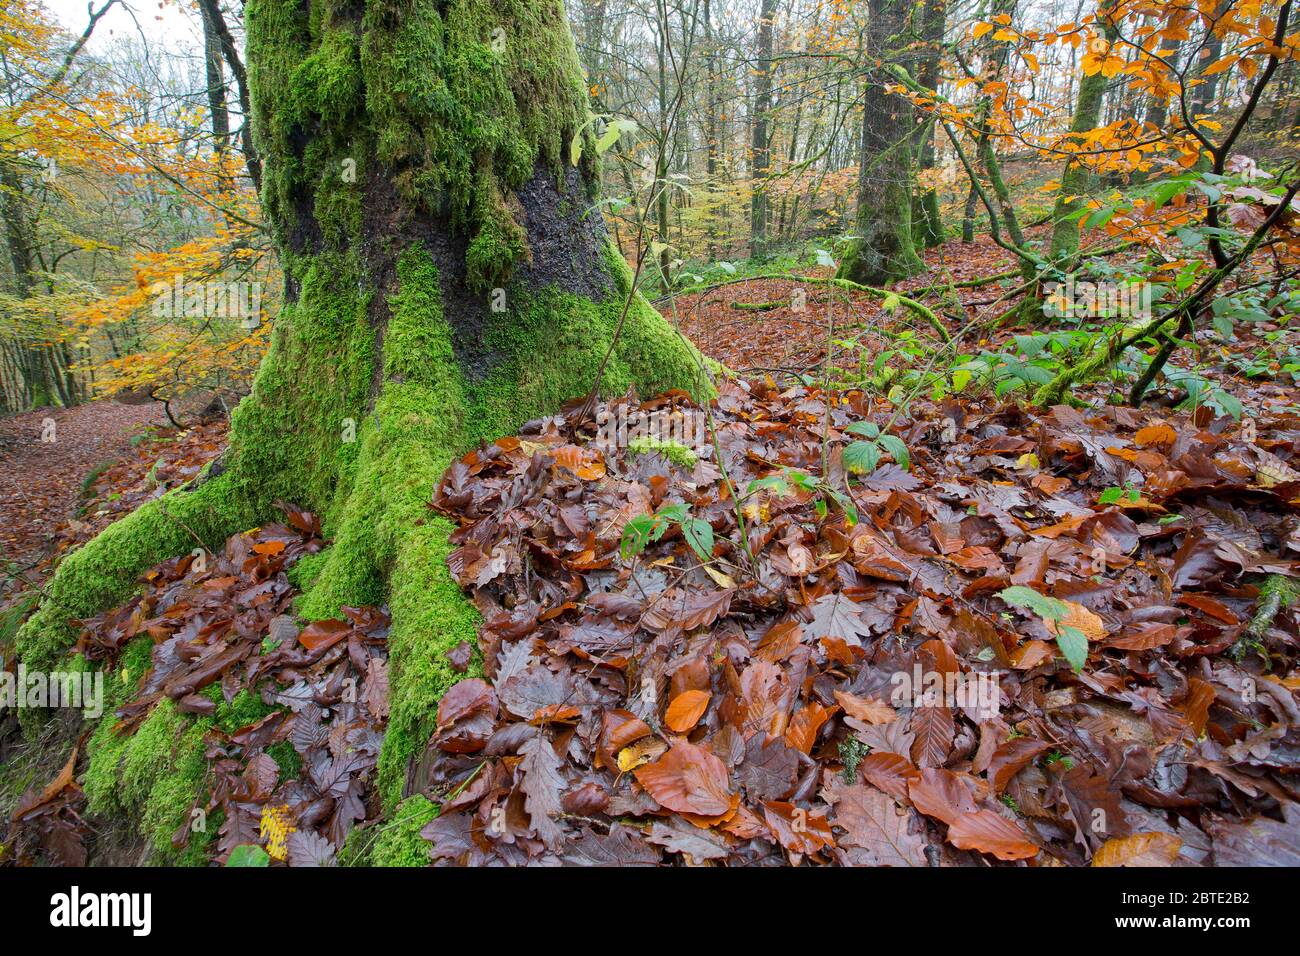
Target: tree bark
(882, 250)
(926, 220)
(446, 280)
(1077, 179)
(760, 136)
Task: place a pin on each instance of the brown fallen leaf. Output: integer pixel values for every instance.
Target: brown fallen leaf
(1138, 849)
(987, 832)
(686, 709)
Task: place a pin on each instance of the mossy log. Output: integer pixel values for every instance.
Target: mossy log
(447, 277)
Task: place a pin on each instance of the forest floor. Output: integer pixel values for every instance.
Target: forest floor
(1114, 569)
(46, 456)
(97, 462)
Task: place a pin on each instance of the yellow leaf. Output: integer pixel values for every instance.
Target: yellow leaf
(1078, 616)
(1139, 849)
(640, 753)
(723, 580)
(275, 829)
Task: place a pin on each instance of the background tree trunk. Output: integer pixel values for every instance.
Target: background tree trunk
(883, 250)
(760, 138)
(925, 213)
(1077, 179)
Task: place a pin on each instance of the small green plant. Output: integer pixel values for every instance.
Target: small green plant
(1056, 758)
(1113, 495)
(780, 484)
(862, 457)
(645, 529)
(852, 751)
(1072, 641)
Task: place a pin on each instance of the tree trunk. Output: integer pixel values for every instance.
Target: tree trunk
(760, 137)
(1077, 178)
(925, 212)
(882, 250)
(215, 76)
(712, 133)
(444, 283)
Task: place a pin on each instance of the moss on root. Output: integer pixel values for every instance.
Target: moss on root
(400, 844)
(159, 773)
(155, 775)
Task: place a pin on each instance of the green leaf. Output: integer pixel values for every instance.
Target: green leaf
(1111, 496)
(612, 133)
(1099, 217)
(801, 479)
(248, 854)
(898, 448)
(674, 512)
(861, 457)
(636, 535)
(1073, 644)
(1045, 607)
(845, 504)
(699, 535)
(773, 483)
(866, 429)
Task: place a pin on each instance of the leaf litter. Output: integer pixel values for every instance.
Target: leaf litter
(779, 687)
(651, 705)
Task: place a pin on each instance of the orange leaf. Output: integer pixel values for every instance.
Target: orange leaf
(1139, 849)
(988, 832)
(803, 729)
(688, 779)
(870, 709)
(321, 634)
(686, 710)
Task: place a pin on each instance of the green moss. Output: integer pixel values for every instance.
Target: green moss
(286, 758)
(156, 774)
(673, 451)
(303, 572)
(246, 707)
(400, 843)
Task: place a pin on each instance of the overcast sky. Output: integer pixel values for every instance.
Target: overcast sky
(173, 23)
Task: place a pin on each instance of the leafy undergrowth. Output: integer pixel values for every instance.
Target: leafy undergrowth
(969, 634)
(982, 635)
(287, 723)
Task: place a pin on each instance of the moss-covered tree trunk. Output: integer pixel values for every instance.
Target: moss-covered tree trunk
(882, 249)
(447, 277)
(1078, 179)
